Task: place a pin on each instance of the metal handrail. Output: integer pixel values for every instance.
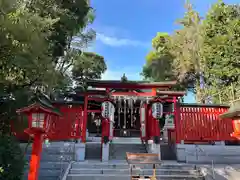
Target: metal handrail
(64, 177)
(64, 170)
(203, 151)
(212, 167)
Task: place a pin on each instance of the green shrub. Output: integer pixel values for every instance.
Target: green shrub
(11, 159)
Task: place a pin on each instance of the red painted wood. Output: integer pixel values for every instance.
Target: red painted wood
(202, 124)
(85, 118)
(69, 125)
(35, 157)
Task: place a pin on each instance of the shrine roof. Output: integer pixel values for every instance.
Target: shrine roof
(172, 93)
(129, 84)
(233, 111)
(42, 102)
(204, 105)
(75, 103)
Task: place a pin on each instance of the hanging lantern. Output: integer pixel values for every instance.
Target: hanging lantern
(107, 109)
(157, 110)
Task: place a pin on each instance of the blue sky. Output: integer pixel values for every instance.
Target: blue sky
(125, 29)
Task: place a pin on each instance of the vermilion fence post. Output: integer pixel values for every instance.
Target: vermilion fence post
(176, 119)
(85, 117)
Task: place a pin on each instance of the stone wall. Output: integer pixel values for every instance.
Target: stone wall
(217, 154)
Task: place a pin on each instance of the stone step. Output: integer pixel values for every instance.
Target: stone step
(120, 140)
(122, 165)
(54, 157)
(50, 165)
(48, 173)
(56, 150)
(40, 177)
(127, 177)
(118, 151)
(93, 151)
(135, 171)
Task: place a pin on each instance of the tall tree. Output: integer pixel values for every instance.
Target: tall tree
(221, 51)
(87, 65)
(186, 46)
(159, 60)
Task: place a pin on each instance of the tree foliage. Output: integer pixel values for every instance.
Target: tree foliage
(40, 43)
(221, 51)
(11, 159)
(87, 66)
(203, 54)
(159, 61)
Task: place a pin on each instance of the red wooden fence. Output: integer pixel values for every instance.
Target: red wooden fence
(67, 126)
(202, 123)
(193, 123)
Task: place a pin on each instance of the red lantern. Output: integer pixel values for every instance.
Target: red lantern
(236, 128)
(39, 117)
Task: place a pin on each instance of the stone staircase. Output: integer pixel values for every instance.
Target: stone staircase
(93, 151)
(119, 146)
(54, 160)
(120, 171)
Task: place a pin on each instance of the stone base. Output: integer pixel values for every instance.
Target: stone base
(105, 152)
(208, 154)
(80, 151)
(154, 148)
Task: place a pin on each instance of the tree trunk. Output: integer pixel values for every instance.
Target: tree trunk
(199, 94)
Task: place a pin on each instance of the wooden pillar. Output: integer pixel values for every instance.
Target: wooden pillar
(35, 157)
(85, 118)
(154, 92)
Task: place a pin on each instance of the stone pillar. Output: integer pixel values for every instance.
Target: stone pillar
(154, 147)
(169, 124)
(105, 152)
(80, 151)
(165, 135)
(157, 147)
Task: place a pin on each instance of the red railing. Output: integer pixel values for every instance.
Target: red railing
(202, 123)
(64, 127)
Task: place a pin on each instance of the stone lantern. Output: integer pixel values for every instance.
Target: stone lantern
(39, 116)
(234, 114)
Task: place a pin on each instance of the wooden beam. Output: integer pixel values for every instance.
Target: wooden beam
(130, 84)
(172, 93)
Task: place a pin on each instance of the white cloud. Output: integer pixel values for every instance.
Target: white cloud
(116, 75)
(117, 42)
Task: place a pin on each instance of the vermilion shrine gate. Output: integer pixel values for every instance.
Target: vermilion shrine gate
(150, 111)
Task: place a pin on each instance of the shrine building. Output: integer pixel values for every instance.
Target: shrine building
(111, 118)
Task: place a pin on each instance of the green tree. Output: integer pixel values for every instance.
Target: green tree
(11, 162)
(221, 51)
(159, 61)
(87, 66)
(34, 37)
(186, 44)
(178, 56)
